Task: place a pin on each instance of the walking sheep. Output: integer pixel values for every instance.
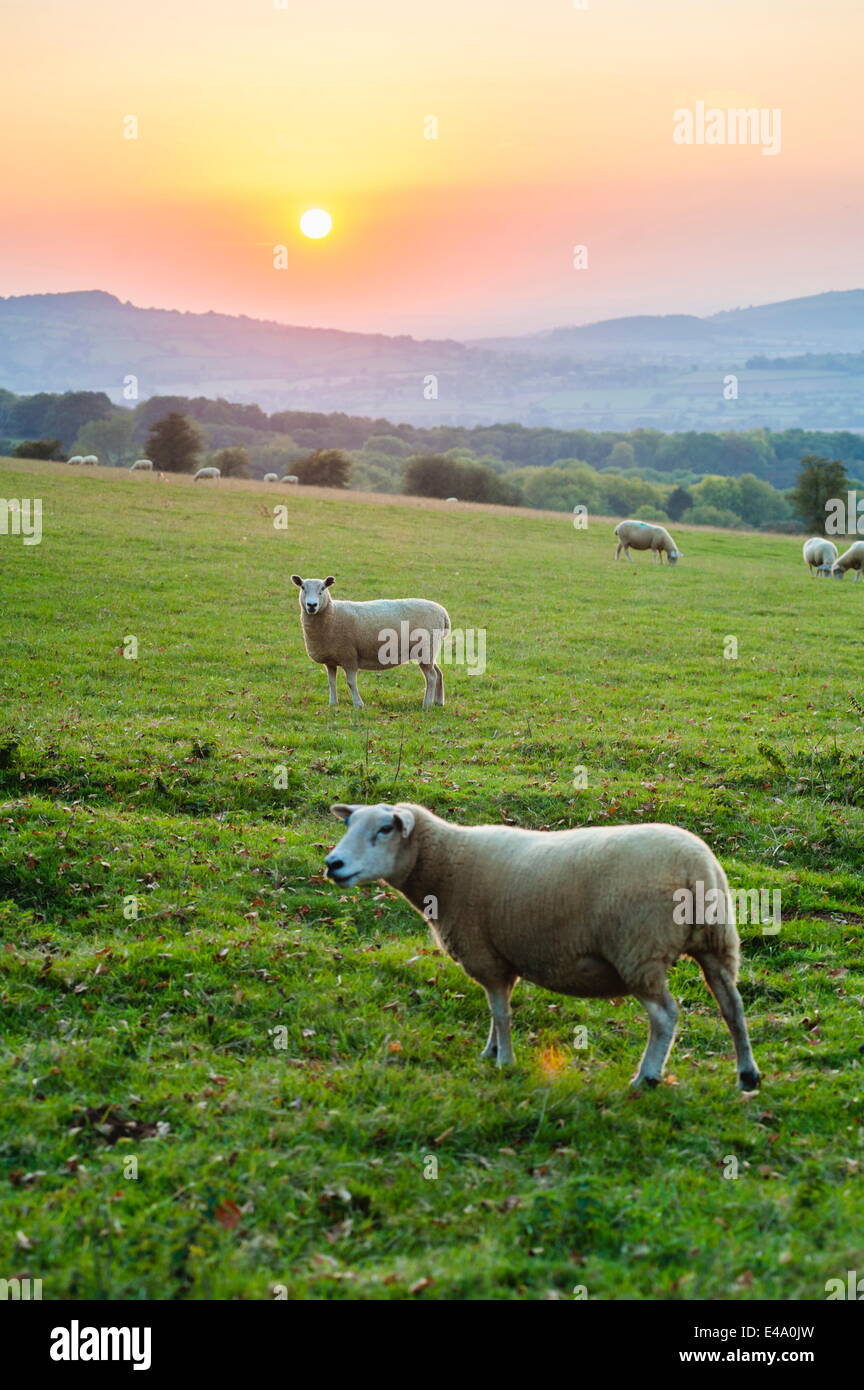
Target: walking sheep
(643, 535)
(596, 913)
(852, 559)
(142, 466)
(819, 554)
(372, 636)
(207, 473)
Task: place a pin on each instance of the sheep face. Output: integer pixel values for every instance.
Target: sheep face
(837, 573)
(674, 556)
(314, 597)
(378, 843)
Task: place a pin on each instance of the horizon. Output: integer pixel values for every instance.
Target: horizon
(181, 162)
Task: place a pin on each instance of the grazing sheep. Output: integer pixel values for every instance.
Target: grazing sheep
(90, 459)
(452, 499)
(271, 477)
(852, 559)
(645, 535)
(289, 478)
(819, 554)
(590, 913)
(76, 458)
(142, 465)
(207, 473)
(372, 636)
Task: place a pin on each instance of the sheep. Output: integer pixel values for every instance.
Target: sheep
(852, 559)
(142, 466)
(289, 478)
(372, 636)
(644, 535)
(90, 459)
(820, 554)
(271, 478)
(76, 458)
(452, 499)
(207, 473)
(595, 913)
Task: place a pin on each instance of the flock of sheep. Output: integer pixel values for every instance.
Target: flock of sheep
(822, 558)
(146, 466)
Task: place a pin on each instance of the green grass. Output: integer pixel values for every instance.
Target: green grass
(282, 1060)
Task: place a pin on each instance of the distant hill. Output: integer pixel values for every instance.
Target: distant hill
(662, 371)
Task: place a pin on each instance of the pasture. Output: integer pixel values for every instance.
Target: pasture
(259, 1086)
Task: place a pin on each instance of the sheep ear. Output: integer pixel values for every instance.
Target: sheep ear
(297, 580)
(328, 581)
(341, 811)
(404, 819)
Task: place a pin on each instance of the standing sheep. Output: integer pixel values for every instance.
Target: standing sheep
(207, 473)
(76, 458)
(372, 636)
(643, 535)
(90, 460)
(289, 478)
(142, 466)
(594, 913)
(271, 478)
(852, 559)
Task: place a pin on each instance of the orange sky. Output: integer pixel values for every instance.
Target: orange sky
(555, 128)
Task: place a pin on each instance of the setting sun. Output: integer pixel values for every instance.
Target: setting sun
(316, 223)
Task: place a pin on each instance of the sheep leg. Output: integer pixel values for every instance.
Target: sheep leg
(662, 1017)
(491, 1048)
(722, 986)
(351, 678)
(331, 678)
(622, 549)
(431, 680)
(439, 685)
(499, 1006)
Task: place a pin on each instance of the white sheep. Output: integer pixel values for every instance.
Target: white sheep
(595, 913)
(852, 559)
(142, 466)
(645, 535)
(819, 554)
(452, 499)
(90, 459)
(207, 473)
(271, 478)
(289, 478)
(76, 458)
(372, 636)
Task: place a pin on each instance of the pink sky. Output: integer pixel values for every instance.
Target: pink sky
(555, 128)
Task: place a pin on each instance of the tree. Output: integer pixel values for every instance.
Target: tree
(109, 439)
(819, 481)
(621, 456)
(324, 468)
(39, 449)
(677, 503)
(174, 443)
(232, 463)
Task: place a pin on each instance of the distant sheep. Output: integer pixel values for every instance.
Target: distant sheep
(853, 559)
(452, 499)
(90, 459)
(645, 535)
(271, 477)
(207, 473)
(819, 554)
(356, 636)
(289, 478)
(76, 458)
(595, 913)
(142, 466)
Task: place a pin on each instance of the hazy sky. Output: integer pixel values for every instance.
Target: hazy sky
(554, 129)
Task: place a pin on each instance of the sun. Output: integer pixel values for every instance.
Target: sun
(316, 223)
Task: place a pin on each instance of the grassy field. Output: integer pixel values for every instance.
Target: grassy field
(261, 1086)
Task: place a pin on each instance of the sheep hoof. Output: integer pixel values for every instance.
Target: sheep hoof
(649, 1081)
(489, 1054)
(749, 1080)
